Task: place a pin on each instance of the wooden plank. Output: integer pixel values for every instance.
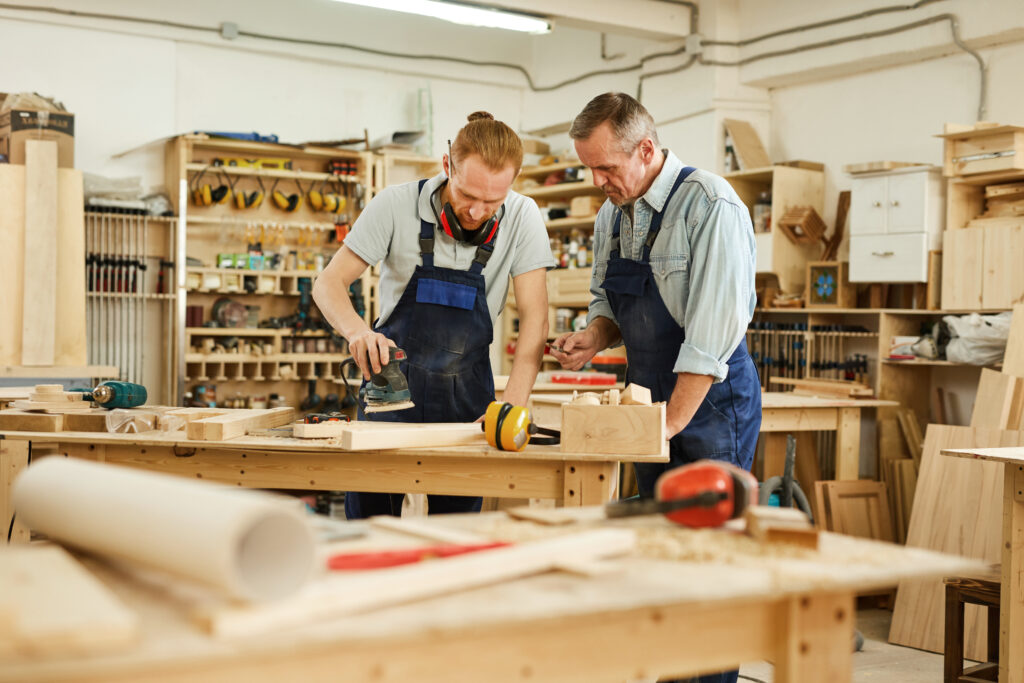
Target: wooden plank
(351, 594)
(235, 423)
(635, 395)
(848, 444)
(1013, 359)
(13, 459)
(622, 429)
(388, 435)
(859, 508)
(826, 387)
(24, 421)
(1003, 277)
(906, 481)
(878, 166)
(957, 510)
(933, 295)
(70, 341)
(12, 261)
(39, 319)
(1011, 596)
(745, 141)
(911, 430)
(962, 270)
(57, 607)
(999, 403)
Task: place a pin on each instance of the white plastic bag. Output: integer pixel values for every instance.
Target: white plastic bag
(977, 339)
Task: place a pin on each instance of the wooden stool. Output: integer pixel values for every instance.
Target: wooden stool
(976, 591)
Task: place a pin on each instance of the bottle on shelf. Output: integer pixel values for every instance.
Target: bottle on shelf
(574, 249)
(763, 212)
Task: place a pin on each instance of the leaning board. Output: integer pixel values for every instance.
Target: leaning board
(958, 507)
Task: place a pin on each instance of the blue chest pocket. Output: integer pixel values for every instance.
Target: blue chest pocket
(443, 293)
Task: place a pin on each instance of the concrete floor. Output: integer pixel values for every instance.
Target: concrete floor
(878, 662)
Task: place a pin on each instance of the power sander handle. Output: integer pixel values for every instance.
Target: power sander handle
(704, 499)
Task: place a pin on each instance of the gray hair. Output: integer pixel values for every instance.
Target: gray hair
(630, 120)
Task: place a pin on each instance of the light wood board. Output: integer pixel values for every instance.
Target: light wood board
(855, 508)
(999, 403)
(962, 269)
(748, 147)
(367, 435)
(958, 510)
(54, 606)
(39, 321)
(622, 429)
(1013, 360)
(235, 423)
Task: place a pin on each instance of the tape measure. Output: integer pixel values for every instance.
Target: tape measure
(509, 428)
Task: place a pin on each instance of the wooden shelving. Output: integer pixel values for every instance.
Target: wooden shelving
(570, 222)
(562, 190)
(269, 173)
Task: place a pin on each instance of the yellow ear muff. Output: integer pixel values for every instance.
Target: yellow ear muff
(205, 196)
(240, 200)
(255, 199)
(509, 428)
(316, 200)
(331, 202)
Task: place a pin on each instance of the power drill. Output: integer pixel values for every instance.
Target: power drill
(116, 394)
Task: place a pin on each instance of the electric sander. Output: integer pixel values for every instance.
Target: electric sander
(387, 389)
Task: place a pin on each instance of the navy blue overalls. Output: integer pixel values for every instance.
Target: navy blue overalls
(443, 323)
(725, 426)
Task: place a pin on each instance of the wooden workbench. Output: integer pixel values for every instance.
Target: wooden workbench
(782, 413)
(684, 602)
(316, 464)
(1011, 594)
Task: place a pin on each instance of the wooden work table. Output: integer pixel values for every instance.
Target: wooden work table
(1011, 594)
(316, 464)
(652, 612)
(781, 413)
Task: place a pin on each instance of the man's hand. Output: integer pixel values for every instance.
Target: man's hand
(577, 349)
(370, 349)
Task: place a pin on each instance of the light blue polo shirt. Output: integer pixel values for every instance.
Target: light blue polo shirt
(388, 231)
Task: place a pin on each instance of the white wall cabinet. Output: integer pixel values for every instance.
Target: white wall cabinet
(896, 218)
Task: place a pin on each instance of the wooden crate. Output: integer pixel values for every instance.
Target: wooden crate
(971, 150)
(622, 429)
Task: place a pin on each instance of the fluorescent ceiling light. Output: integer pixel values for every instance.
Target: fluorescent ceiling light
(457, 13)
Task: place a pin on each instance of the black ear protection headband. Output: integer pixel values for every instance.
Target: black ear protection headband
(450, 223)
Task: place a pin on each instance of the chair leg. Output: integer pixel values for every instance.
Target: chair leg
(954, 651)
(993, 633)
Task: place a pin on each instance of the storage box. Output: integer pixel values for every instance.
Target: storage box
(585, 206)
(19, 125)
(990, 149)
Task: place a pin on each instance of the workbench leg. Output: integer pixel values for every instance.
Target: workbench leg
(815, 639)
(848, 444)
(1011, 593)
(774, 455)
(13, 459)
(588, 483)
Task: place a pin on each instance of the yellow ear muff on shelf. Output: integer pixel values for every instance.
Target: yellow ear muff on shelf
(286, 202)
(509, 428)
(219, 194)
(316, 200)
(249, 200)
(332, 202)
(202, 195)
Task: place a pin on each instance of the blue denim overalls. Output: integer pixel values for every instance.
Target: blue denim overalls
(726, 424)
(443, 323)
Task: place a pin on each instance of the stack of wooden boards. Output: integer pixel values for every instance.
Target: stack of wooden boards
(825, 388)
(958, 502)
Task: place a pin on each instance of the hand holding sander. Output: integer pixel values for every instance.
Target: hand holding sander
(386, 390)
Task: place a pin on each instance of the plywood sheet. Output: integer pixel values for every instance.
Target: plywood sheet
(622, 429)
(958, 510)
(962, 272)
(999, 403)
(1013, 360)
(54, 606)
(857, 508)
(39, 319)
(745, 141)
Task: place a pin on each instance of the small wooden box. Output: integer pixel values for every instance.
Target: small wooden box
(613, 430)
(828, 285)
(585, 206)
(989, 149)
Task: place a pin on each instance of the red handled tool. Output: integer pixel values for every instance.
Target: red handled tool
(380, 559)
(706, 493)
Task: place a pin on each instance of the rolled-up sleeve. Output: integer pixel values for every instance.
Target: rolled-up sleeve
(599, 306)
(721, 274)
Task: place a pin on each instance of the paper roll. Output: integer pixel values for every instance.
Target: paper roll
(245, 543)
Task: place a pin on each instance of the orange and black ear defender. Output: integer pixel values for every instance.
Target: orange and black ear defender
(450, 223)
(509, 428)
(251, 200)
(286, 202)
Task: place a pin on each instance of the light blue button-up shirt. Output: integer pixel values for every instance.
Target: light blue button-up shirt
(703, 262)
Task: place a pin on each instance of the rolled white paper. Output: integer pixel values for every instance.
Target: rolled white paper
(244, 542)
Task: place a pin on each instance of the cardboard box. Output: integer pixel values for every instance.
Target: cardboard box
(585, 206)
(19, 125)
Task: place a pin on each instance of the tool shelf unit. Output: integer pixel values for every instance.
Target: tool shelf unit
(224, 229)
(567, 287)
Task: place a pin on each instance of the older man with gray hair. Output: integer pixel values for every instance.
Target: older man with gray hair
(674, 280)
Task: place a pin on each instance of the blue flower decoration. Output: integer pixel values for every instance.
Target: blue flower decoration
(825, 285)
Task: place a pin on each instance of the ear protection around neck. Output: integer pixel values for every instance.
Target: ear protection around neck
(451, 226)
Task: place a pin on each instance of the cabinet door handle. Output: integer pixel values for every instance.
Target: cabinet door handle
(895, 202)
(884, 254)
(876, 204)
